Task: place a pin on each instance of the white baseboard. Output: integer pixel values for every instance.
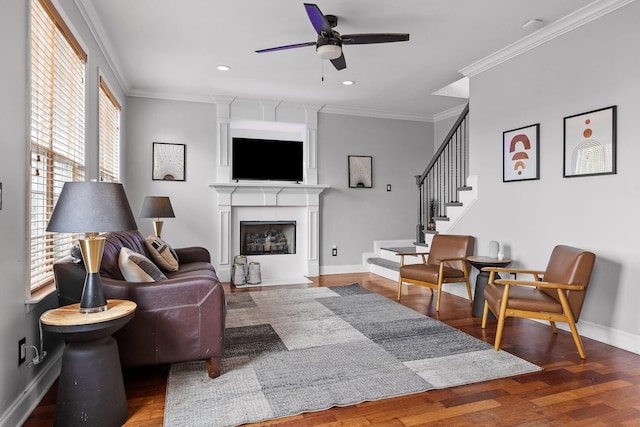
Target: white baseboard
(24, 405)
(605, 334)
(343, 269)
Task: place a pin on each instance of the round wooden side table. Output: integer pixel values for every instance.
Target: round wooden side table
(90, 386)
(482, 279)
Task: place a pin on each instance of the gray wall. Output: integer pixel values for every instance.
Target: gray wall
(21, 387)
(594, 66)
(194, 124)
(352, 218)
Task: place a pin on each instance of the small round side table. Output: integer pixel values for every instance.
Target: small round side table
(482, 279)
(90, 386)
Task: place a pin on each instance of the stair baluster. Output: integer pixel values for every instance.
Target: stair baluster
(444, 176)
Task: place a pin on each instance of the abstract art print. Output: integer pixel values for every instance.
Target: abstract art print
(168, 162)
(520, 154)
(360, 171)
(590, 143)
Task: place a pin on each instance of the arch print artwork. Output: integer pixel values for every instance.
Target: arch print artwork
(169, 162)
(590, 143)
(520, 154)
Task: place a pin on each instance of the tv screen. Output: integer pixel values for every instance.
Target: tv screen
(266, 159)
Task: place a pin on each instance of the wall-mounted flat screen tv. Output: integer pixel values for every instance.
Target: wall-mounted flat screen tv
(266, 159)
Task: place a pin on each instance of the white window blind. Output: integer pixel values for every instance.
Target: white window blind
(57, 131)
(109, 125)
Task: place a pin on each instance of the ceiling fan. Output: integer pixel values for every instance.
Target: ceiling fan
(329, 43)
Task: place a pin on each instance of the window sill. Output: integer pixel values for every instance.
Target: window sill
(38, 296)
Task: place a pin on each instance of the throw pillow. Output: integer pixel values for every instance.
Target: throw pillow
(76, 253)
(162, 254)
(138, 268)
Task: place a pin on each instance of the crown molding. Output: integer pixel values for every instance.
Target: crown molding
(450, 113)
(203, 99)
(580, 17)
(351, 111)
(92, 19)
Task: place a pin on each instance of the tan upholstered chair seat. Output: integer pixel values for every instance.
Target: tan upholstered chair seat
(521, 298)
(428, 273)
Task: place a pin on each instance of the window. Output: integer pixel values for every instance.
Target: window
(109, 124)
(57, 131)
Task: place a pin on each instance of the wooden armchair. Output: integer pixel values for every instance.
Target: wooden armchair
(556, 294)
(446, 264)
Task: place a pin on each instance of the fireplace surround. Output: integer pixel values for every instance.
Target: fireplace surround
(269, 202)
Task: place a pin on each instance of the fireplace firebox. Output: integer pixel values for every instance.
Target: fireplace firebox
(267, 237)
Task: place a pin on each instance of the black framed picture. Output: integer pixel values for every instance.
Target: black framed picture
(360, 171)
(521, 154)
(169, 162)
(590, 143)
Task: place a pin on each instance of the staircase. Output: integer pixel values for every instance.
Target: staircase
(445, 193)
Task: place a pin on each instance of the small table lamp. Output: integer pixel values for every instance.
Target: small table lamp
(156, 207)
(92, 207)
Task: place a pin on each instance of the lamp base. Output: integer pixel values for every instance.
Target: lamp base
(93, 300)
(157, 227)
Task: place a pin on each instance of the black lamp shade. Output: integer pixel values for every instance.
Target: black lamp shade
(156, 207)
(92, 207)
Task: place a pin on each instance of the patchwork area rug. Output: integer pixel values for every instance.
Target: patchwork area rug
(290, 351)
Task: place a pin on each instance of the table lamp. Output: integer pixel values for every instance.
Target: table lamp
(156, 207)
(92, 208)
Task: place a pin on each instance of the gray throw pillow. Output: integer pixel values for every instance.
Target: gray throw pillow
(138, 268)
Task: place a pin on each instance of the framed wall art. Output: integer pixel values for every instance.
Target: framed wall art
(360, 171)
(169, 161)
(590, 143)
(521, 154)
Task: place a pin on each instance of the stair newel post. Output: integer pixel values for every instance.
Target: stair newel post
(420, 225)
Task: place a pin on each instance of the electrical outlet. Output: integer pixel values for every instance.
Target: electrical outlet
(22, 350)
(334, 251)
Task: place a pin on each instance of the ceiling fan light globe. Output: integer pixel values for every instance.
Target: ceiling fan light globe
(329, 51)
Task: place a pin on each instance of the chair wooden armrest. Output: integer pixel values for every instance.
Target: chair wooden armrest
(462, 258)
(402, 255)
(548, 285)
(512, 270)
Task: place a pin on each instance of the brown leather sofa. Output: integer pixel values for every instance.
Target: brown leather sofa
(178, 319)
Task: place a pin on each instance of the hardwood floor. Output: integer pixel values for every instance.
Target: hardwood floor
(603, 390)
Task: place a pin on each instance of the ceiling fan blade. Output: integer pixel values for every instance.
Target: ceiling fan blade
(374, 38)
(290, 46)
(340, 63)
(318, 20)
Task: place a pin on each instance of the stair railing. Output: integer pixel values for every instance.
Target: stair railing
(446, 173)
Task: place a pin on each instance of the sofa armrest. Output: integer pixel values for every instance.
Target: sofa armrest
(192, 254)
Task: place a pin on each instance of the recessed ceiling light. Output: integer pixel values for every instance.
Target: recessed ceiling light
(348, 82)
(223, 68)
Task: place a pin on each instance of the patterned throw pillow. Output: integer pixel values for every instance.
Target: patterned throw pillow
(138, 268)
(162, 254)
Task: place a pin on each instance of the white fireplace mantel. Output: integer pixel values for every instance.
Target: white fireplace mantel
(285, 199)
(268, 194)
